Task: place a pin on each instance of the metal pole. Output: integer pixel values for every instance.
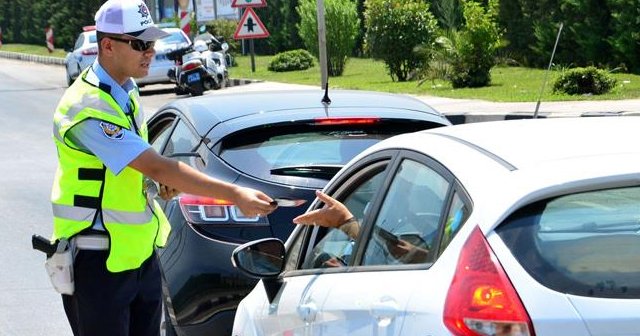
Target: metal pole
(253, 61)
(322, 44)
(544, 82)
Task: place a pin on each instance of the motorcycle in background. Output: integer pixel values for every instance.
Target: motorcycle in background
(197, 69)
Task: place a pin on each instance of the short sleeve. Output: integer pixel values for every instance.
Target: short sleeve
(115, 146)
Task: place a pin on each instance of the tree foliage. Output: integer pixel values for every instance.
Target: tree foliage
(280, 18)
(394, 29)
(341, 21)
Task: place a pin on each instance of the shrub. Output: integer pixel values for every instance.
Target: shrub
(342, 24)
(394, 29)
(589, 80)
(291, 60)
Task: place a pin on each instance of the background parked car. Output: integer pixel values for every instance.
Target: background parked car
(83, 54)
(287, 144)
(531, 228)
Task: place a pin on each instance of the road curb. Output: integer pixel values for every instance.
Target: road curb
(242, 81)
(466, 118)
(32, 58)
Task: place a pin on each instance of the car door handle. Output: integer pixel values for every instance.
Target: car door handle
(385, 309)
(307, 311)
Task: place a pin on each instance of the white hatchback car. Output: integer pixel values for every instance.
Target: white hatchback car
(531, 227)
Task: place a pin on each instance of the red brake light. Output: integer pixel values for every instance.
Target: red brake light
(191, 65)
(481, 299)
(346, 121)
(207, 210)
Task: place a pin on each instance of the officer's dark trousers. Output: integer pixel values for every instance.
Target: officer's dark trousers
(127, 303)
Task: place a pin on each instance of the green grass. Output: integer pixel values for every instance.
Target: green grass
(509, 84)
(33, 49)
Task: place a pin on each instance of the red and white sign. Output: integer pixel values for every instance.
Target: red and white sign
(248, 3)
(185, 21)
(48, 32)
(250, 26)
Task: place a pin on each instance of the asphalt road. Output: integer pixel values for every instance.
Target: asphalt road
(29, 93)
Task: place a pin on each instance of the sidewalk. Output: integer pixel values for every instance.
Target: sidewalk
(457, 110)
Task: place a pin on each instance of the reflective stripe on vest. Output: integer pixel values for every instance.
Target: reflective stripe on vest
(75, 213)
(84, 188)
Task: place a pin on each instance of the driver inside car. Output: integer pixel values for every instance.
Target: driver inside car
(334, 214)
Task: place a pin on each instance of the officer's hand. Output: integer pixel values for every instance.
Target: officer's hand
(253, 202)
(167, 193)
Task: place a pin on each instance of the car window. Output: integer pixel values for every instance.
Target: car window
(93, 38)
(175, 37)
(160, 133)
(408, 222)
(79, 42)
(457, 215)
(182, 140)
(336, 248)
(584, 244)
(303, 151)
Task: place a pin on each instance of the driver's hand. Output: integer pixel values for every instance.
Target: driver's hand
(332, 215)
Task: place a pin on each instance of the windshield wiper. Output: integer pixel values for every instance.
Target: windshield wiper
(315, 171)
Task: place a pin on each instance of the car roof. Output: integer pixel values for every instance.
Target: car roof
(523, 143)
(520, 161)
(207, 111)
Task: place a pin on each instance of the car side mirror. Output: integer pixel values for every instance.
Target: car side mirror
(262, 258)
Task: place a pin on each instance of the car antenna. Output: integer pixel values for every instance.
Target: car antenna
(325, 100)
(544, 82)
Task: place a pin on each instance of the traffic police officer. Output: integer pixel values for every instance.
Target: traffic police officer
(98, 195)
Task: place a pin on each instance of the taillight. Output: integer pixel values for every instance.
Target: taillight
(207, 210)
(191, 65)
(346, 120)
(481, 299)
(90, 52)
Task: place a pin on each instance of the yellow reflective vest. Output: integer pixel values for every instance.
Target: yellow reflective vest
(84, 188)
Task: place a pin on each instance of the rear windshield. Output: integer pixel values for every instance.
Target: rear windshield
(305, 151)
(585, 244)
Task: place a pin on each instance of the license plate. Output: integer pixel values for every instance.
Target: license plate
(194, 77)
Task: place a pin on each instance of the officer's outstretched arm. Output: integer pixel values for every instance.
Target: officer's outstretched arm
(180, 176)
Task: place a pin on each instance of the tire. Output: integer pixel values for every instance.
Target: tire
(69, 79)
(197, 89)
(180, 91)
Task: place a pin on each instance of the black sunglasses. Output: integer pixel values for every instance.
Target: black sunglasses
(138, 45)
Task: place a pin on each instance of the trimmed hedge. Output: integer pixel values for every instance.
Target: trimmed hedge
(292, 60)
(589, 80)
